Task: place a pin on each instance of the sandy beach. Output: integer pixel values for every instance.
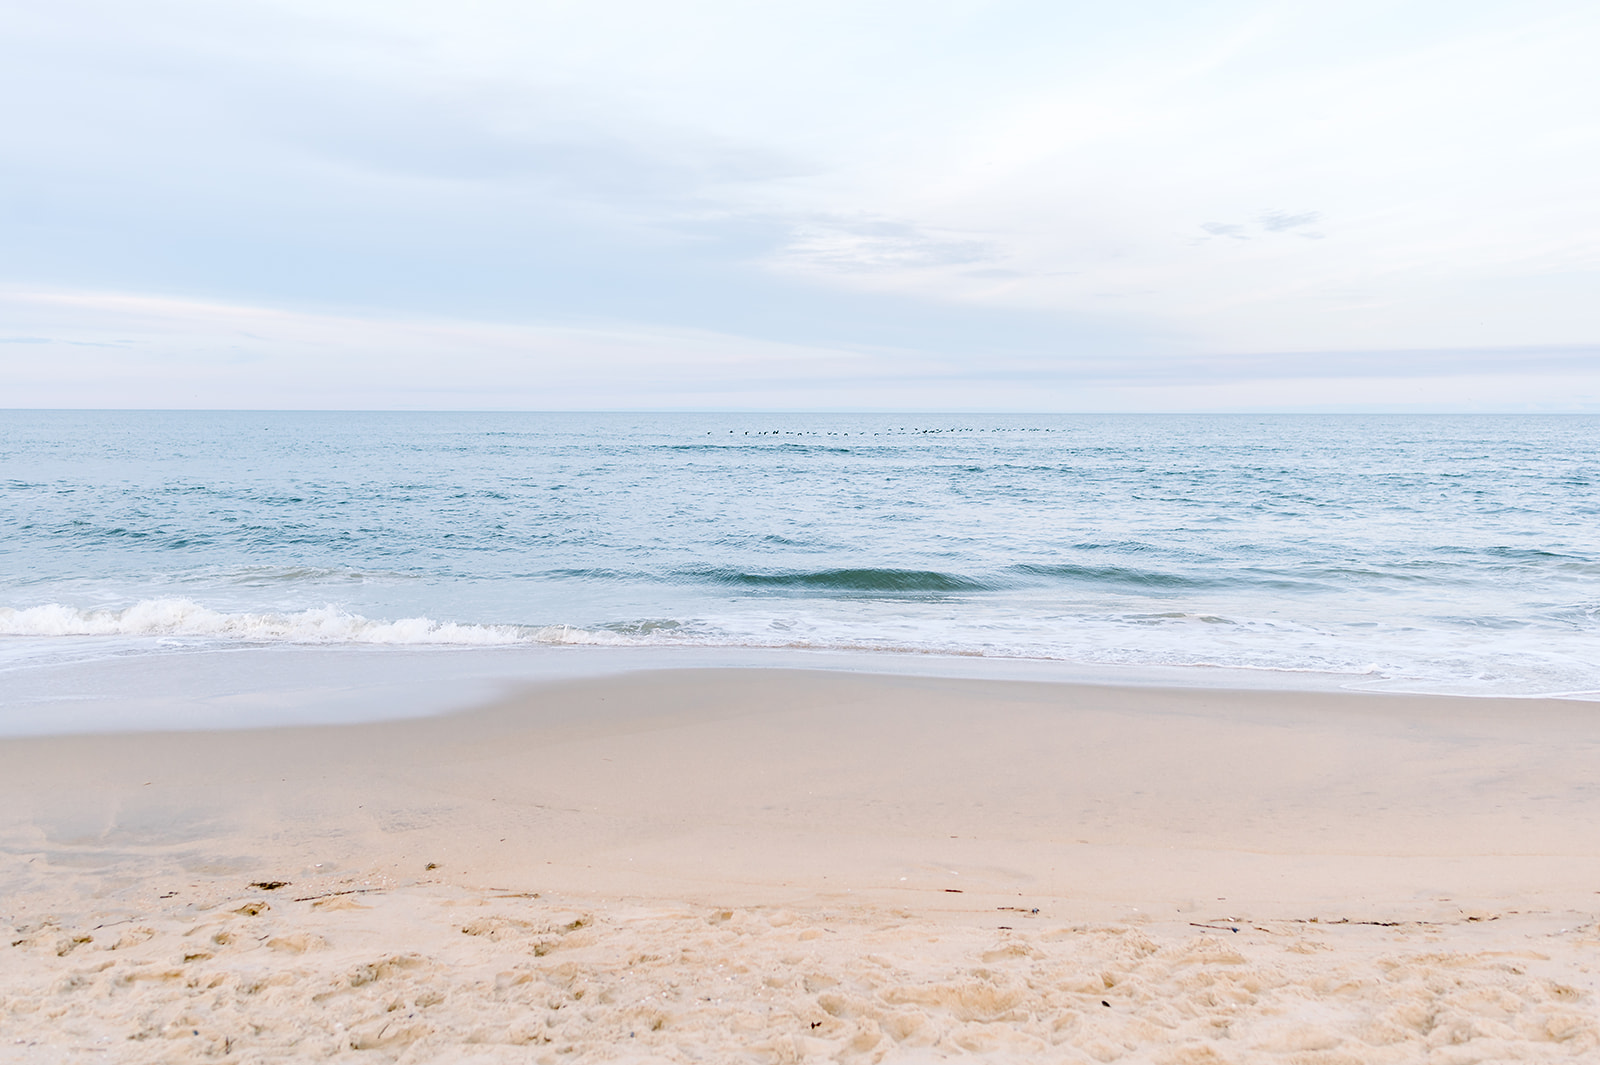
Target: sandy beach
(788, 865)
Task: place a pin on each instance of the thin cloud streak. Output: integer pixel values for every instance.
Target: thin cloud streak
(131, 351)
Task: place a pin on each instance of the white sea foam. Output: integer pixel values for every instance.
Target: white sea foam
(56, 632)
(328, 624)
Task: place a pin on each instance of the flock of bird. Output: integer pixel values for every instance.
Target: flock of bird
(893, 432)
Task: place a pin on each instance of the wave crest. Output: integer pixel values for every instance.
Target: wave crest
(328, 624)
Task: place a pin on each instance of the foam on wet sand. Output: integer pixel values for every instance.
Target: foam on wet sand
(773, 865)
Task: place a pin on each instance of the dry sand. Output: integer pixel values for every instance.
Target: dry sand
(773, 866)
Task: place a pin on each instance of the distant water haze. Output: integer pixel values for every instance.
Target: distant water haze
(1443, 553)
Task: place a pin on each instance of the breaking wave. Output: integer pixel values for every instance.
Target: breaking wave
(328, 624)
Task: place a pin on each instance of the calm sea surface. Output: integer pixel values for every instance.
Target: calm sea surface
(1452, 554)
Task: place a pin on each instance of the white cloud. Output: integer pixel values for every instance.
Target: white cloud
(1426, 167)
(824, 193)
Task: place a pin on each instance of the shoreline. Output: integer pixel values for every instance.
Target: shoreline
(1028, 823)
(91, 685)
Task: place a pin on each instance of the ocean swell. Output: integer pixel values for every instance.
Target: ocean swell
(842, 580)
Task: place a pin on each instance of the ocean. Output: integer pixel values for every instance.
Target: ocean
(1449, 554)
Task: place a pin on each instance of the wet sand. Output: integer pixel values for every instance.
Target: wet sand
(775, 865)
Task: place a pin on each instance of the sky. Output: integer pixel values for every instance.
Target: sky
(937, 205)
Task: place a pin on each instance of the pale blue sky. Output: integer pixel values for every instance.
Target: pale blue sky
(1159, 206)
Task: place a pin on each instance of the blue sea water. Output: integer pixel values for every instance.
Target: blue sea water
(1430, 553)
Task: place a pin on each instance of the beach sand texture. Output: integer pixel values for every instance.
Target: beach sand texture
(772, 865)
